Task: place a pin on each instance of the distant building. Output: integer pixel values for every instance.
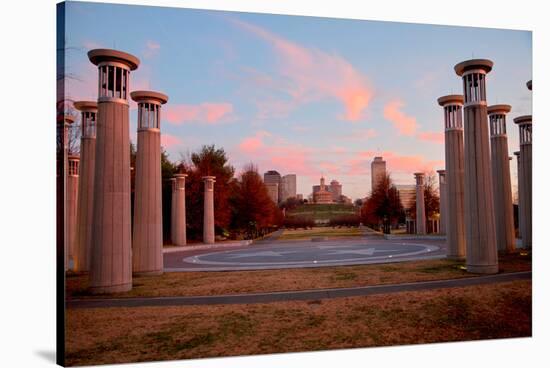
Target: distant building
(407, 195)
(273, 191)
(336, 190)
(288, 187)
(322, 196)
(377, 170)
(299, 197)
(273, 177)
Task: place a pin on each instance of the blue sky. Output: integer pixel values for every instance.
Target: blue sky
(304, 95)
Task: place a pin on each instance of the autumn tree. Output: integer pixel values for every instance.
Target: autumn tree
(431, 196)
(253, 211)
(208, 161)
(383, 207)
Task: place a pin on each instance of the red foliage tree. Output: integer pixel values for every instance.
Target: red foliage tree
(253, 210)
(431, 197)
(209, 161)
(382, 207)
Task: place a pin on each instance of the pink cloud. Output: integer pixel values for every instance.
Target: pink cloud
(435, 137)
(168, 140)
(361, 135)
(395, 162)
(274, 152)
(406, 125)
(254, 143)
(330, 168)
(312, 74)
(90, 45)
(151, 49)
(207, 113)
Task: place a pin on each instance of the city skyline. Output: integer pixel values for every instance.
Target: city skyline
(312, 96)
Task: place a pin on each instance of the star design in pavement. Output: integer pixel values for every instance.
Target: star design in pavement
(267, 253)
(364, 252)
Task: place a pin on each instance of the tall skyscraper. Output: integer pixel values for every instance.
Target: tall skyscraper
(273, 191)
(377, 170)
(272, 177)
(288, 187)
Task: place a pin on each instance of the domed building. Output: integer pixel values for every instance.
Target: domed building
(323, 196)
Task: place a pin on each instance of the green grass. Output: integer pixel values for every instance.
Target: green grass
(322, 211)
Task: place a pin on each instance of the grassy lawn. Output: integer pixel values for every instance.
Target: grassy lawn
(232, 282)
(322, 211)
(301, 234)
(121, 335)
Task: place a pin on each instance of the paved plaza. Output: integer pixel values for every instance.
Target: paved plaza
(304, 253)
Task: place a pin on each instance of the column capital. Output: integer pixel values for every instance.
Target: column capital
(86, 106)
(499, 109)
(157, 98)
(477, 65)
(451, 100)
(66, 118)
(98, 56)
(524, 120)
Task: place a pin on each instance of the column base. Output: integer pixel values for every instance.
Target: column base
(110, 289)
(456, 257)
(486, 269)
(147, 273)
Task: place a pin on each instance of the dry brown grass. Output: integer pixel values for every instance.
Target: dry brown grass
(120, 335)
(215, 283)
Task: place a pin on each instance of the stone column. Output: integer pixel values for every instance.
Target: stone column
(454, 175)
(72, 200)
(520, 218)
(64, 123)
(525, 178)
(180, 223)
(111, 263)
(85, 206)
(173, 211)
(442, 202)
(147, 241)
(481, 246)
(502, 183)
(420, 207)
(208, 223)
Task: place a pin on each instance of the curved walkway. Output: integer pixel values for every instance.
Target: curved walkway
(299, 295)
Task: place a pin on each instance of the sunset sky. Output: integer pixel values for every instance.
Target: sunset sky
(302, 95)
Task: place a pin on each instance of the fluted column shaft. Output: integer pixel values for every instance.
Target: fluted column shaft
(208, 221)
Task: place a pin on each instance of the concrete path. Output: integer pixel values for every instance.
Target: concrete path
(202, 246)
(270, 238)
(300, 295)
(281, 254)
